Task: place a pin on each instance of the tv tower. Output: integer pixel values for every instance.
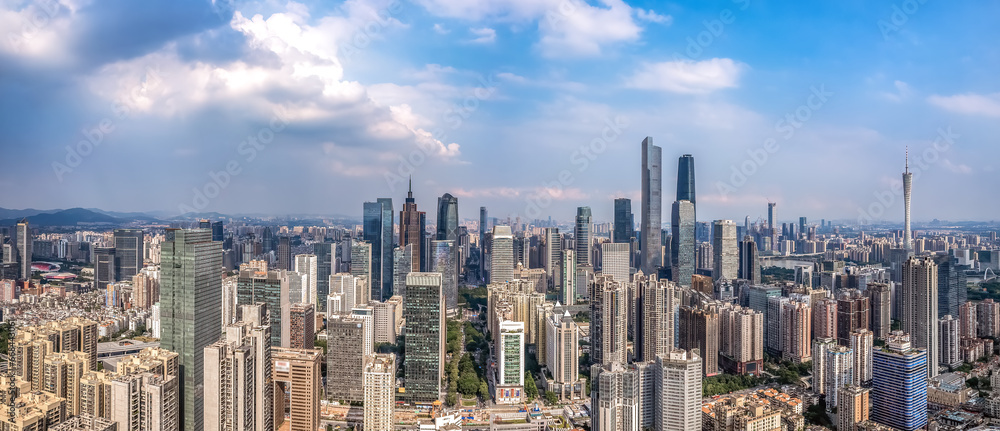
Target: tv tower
(907, 178)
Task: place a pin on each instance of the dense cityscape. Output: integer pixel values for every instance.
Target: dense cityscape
(393, 321)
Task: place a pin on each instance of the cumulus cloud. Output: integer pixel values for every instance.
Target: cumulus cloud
(987, 105)
(483, 35)
(652, 16)
(687, 76)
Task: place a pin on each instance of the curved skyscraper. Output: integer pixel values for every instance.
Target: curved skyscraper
(652, 203)
(685, 178)
(447, 218)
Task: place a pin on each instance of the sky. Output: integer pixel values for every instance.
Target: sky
(528, 107)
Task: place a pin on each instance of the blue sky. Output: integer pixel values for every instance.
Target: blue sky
(529, 107)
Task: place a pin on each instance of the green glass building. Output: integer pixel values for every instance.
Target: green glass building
(425, 336)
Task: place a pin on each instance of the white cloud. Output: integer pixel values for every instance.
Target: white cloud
(901, 93)
(440, 29)
(987, 105)
(687, 76)
(483, 35)
(957, 168)
(652, 16)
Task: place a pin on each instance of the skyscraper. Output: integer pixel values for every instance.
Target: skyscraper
(567, 290)
(325, 259)
(502, 255)
(308, 265)
(899, 389)
(190, 310)
(24, 249)
(482, 243)
(402, 264)
(678, 392)
(297, 372)
(699, 329)
(652, 203)
(682, 222)
(852, 314)
(907, 182)
(615, 397)
(952, 288)
(423, 311)
(345, 354)
(608, 329)
(562, 351)
(614, 260)
(881, 311)
(581, 232)
(919, 299)
(284, 253)
(447, 218)
(725, 261)
(378, 225)
(685, 178)
(749, 261)
(862, 343)
(411, 230)
(509, 348)
(553, 255)
(624, 226)
(268, 287)
(796, 332)
(238, 389)
(655, 333)
(444, 259)
(950, 347)
(839, 372)
(104, 267)
(852, 408)
(380, 390)
(129, 249)
(301, 326)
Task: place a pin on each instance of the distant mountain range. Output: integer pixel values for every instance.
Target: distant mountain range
(69, 217)
(96, 216)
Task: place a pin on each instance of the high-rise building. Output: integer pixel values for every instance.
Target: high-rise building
(678, 391)
(302, 326)
(297, 373)
(380, 392)
(796, 331)
(685, 178)
(853, 407)
(968, 321)
(424, 311)
(988, 318)
(624, 225)
(725, 260)
(749, 261)
(411, 230)
(567, 289)
(447, 218)
(562, 356)
(899, 387)
(378, 226)
(402, 258)
(345, 353)
(104, 267)
(881, 309)
(862, 343)
(952, 287)
(325, 260)
(361, 261)
(614, 261)
(308, 265)
(553, 254)
(482, 243)
(615, 397)
(145, 401)
(190, 310)
(502, 255)
(699, 329)
(346, 292)
(509, 348)
(950, 348)
(820, 347)
(652, 202)
(683, 244)
(919, 299)
(444, 260)
(268, 287)
(582, 235)
(655, 333)
(238, 387)
(608, 328)
(24, 245)
(388, 315)
(907, 181)
(852, 314)
(129, 249)
(838, 372)
(741, 343)
(285, 253)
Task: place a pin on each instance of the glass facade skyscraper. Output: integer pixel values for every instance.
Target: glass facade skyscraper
(423, 311)
(624, 228)
(685, 178)
(128, 253)
(444, 257)
(447, 218)
(582, 234)
(190, 310)
(378, 224)
(683, 257)
(652, 204)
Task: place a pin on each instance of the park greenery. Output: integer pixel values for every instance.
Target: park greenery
(726, 383)
(986, 290)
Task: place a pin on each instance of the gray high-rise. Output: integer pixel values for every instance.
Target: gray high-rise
(378, 224)
(651, 218)
(683, 256)
(423, 311)
(447, 218)
(190, 310)
(685, 178)
(725, 262)
(24, 249)
(581, 232)
(325, 258)
(482, 243)
(128, 253)
(444, 257)
(624, 229)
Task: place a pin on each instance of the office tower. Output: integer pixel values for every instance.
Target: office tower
(615, 397)
(482, 243)
(968, 325)
(773, 321)
(952, 288)
(447, 218)
(367, 314)
(907, 181)
(862, 342)
(24, 246)
(899, 387)
(582, 235)
(614, 261)
(749, 268)
(685, 178)
(881, 309)
(852, 314)
(297, 372)
(444, 260)
(725, 252)
(919, 299)
(624, 225)
(284, 253)
(654, 333)
(796, 332)
(502, 255)
(380, 392)
(308, 265)
(771, 215)
(677, 398)
(345, 353)
(853, 407)
(802, 227)
(820, 347)
(325, 260)
(129, 249)
(562, 356)
(378, 224)
(104, 267)
(346, 292)
(988, 318)
(509, 348)
(302, 326)
(423, 311)
(950, 347)
(553, 254)
(217, 232)
(838, 372)
(683, 242)
(652, 203)
(567, 291)
(608, 329)
(238, 386)
(190, 310)
(388, 314)
(361, 260)
(270, 288)
(402, 258)
(699, 329)
(411, 230)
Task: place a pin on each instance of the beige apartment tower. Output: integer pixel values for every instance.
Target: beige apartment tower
(297, 371)
(380, 392)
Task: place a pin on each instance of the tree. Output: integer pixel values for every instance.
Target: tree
(484, 390)
(468, 383)
(530, 390)
(450, 399)
(551, 398)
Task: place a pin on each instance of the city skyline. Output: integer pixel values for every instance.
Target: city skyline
(696, 77)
